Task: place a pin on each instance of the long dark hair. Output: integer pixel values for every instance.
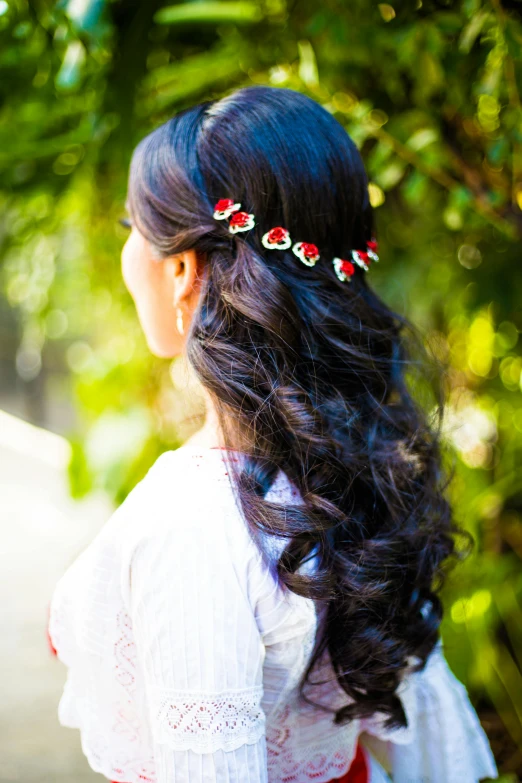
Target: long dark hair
(308, 376)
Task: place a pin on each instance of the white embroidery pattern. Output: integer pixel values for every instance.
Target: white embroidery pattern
(207, 722)
(292, 762)
(125, 654)
(123, 764)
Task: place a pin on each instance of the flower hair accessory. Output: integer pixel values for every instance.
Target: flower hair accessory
(224, 208)
(308, 253)
(363, 258)
(344, 269)
(239, 221)
(277, 239)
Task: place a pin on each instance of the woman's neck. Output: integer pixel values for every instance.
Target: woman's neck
(209, 436)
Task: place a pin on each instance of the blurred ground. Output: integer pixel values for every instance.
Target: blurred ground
(42, 530)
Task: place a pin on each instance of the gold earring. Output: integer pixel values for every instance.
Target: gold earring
(179, 320)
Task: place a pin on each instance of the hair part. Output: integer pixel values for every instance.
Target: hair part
(308, 376)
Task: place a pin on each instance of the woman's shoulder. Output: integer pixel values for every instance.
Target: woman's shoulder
(187, 493)
(186, 467)
(180, 481)
(187, 507)
(180, 474)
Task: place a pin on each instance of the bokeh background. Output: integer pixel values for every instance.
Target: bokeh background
(430, 91)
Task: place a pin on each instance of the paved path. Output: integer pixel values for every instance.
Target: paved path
(42, 530)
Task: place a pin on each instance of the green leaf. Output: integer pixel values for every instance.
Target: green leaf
(209, 13)
(69, 74)
(307, 64)
(472, 30)
(390, 175)
(422, 138)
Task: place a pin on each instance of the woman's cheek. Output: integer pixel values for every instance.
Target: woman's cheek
(150, 287)
(135, 260)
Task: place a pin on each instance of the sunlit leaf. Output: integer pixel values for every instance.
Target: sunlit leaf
(207, 12)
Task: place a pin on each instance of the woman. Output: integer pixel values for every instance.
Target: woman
(261, 608)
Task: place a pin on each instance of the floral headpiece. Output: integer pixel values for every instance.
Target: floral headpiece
(278, 238)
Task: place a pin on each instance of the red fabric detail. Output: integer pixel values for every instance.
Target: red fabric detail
(240, 219)
(347, 268)
(309, 250)
(358, 772)
(372, 245)
(278, 234)
(223, 204)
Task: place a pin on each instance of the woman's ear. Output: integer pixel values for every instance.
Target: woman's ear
(183, 268)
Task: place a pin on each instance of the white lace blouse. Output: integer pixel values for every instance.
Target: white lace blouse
(183, 654)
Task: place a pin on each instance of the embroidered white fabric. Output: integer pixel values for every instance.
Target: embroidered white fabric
(183, 654)
(206, 722)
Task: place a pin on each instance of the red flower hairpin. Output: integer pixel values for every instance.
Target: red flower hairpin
(224, 208)
(239, 221)
(277, 239)
(308, 253)
(363, 258)
(344, 269)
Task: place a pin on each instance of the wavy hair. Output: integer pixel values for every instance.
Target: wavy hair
(308, 375)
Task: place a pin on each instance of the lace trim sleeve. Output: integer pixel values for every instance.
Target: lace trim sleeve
(207, 722)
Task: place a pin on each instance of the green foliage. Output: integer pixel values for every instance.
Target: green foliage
(430, 91)
(209, 13)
